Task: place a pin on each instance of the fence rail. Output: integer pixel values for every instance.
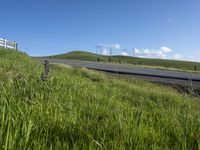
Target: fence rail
(8, 44)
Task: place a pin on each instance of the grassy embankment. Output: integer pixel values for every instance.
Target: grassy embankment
(145, 62)
(76, 108)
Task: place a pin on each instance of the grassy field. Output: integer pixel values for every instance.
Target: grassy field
(158, 63)
(80, 109)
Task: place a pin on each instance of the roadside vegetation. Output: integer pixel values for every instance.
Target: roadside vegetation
(80, 109)
(143, 62)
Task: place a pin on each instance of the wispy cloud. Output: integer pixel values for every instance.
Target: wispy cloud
(165, 49)
(124, 53)
(113, 46)
(153, 53)
(178, 57)
(105, 51)
(163, 52)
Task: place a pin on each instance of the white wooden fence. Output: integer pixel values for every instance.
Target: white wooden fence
(8, 44)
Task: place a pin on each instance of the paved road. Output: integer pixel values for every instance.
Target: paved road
(151, 74)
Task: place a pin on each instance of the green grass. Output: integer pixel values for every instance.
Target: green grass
(145, 62)
(80, 109)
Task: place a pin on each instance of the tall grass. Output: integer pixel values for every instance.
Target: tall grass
(80, 109)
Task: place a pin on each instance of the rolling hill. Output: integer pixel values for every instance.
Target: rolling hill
(161, 63)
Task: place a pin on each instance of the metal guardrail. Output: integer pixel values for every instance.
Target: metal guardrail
(8, 44)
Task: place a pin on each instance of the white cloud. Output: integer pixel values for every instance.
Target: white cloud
(165, 49)
(117, 46)
(153, 53)
(178, 56)
(136, 50)
(105, 51)
(114, 46)
(124, 53)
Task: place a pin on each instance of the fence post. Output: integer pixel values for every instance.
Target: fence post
(120, 61)
(109, 59)
(15, 46)
(195, 68)
(45, 74)
(5, 42)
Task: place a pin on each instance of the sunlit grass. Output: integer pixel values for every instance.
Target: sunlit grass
(80, 109)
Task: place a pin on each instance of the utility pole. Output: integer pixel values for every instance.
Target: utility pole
(99, 49)
(125, 52)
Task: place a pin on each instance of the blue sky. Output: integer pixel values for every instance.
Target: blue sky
(154, 28)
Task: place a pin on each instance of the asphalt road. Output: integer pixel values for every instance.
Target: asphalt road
(151, 74)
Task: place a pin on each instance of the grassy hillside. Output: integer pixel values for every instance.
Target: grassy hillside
(80, 109)
(86, 56)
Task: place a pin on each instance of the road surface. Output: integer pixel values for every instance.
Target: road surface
(151, 74)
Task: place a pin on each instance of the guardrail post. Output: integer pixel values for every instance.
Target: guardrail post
(5, 42)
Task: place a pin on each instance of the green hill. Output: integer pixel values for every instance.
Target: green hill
(80, 55)
(163, 63)
(80, 109)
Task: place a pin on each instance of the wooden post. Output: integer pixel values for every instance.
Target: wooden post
(195, 68)
(46, 68)
(45, 74)
(16, 48)
(5, 42)
(14, 45)
(109, 59)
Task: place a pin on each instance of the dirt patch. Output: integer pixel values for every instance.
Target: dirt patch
(183, 89)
